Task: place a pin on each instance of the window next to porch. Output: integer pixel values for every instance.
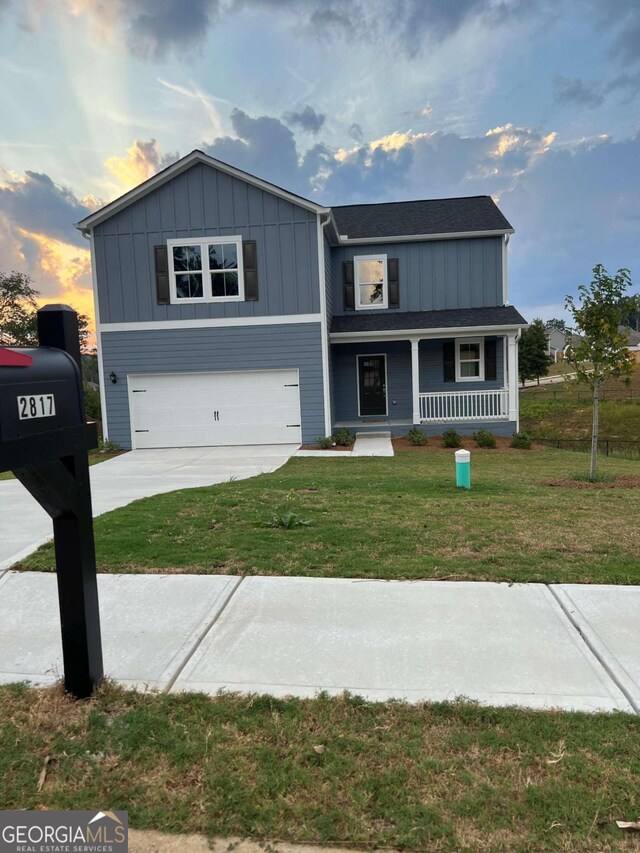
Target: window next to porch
(469, 360)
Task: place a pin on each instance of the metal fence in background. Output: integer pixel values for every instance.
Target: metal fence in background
(606, 446)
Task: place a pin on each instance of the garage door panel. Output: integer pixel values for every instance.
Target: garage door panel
(215, 408)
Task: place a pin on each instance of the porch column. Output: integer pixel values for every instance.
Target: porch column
(415, 379)
(512, 372)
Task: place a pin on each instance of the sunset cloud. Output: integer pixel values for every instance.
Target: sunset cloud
(141, 162)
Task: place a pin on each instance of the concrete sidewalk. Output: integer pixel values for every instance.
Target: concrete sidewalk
(24, 525)
(531, 645)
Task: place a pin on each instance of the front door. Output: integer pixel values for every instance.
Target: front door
(372, 384)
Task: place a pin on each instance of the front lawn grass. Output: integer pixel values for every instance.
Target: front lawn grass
(438, 777)
(392, 518)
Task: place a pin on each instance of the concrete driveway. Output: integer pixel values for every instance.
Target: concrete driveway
(24, 525)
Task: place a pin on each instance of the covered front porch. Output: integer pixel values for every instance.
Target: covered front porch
(466, 381)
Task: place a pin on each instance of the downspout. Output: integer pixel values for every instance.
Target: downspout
(324, 331)
(88, 235)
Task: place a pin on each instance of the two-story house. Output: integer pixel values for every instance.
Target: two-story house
(230, 311)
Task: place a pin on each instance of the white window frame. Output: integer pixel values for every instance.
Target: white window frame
(356, 283)
(204, 243)
(480, 377)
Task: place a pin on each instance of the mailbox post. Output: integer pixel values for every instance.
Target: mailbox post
(44, 440)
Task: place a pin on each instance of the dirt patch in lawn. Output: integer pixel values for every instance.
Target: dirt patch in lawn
(619, 483)
(434, 442)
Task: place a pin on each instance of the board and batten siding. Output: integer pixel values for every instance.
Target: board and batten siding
(345, 378)
(178, 351)
(434, 275)
(399, 391)
(432, 369)
(205, 202)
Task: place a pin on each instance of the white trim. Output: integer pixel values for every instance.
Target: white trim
(324, 327)
(386, 382)
(356, 283)
(421, 334)
(480, 359)
(345, 240)
(205, 271)
(415, 379)
(213, 323)
(96, 307)
(181, 166)
(505, 270)
(512, 369)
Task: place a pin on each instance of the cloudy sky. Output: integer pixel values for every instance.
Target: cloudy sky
(535, 102)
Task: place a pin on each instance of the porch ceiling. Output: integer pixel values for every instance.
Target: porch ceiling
(414, 322)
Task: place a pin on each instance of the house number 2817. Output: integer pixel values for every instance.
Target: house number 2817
(36, 406)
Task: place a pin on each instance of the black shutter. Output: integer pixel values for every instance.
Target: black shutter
(449, 361)
(490, 361)
(392, 283)
(349, 290)
(250, 262)
(162, 275)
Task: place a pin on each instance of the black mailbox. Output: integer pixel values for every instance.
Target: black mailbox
(44, 440)
(41, 407)
(40, 391)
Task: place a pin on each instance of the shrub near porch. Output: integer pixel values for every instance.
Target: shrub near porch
(389, 518)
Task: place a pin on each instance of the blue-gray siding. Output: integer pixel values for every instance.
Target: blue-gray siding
(249, 348)
(435, 275)
(206, 202)
(399, 399)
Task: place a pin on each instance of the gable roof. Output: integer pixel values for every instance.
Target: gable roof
(429, 217)
(633, 337)
(473, 216)
(177, 168)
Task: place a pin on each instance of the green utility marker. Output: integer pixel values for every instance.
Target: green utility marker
(463, 469)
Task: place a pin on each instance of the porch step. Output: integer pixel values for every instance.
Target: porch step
(373, 444)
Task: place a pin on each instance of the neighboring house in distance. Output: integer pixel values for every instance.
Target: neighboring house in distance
(556, 342)
(230, 311)
(633, 338)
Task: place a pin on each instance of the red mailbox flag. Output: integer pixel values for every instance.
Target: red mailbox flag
(11, 358)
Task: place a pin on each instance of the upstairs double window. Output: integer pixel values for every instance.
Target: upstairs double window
(206, 270)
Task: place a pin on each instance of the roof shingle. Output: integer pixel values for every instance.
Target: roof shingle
(456, 318)
(412, 218)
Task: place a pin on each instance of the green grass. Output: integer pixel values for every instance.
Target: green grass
(398, 517)
(94, 458)
(565, 410)
(440, 777)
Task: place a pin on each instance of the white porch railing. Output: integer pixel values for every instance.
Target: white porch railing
(452, 406)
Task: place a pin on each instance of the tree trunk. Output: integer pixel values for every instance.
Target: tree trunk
(594, 430)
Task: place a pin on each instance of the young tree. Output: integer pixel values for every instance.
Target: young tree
(17, 310)
(533, 361)
(598, 315)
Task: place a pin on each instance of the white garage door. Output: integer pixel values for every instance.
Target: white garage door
(208, 409)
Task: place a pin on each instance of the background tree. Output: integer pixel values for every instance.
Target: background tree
(19, 328)
(17, 310)
(598, 316)
(631, 312)
(533, 361)
(555, 323)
